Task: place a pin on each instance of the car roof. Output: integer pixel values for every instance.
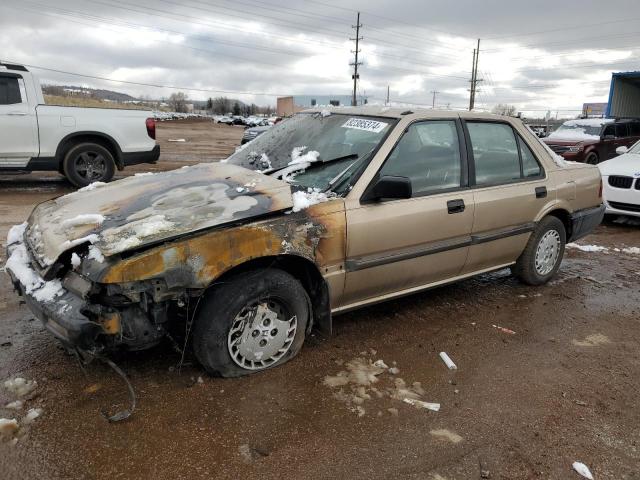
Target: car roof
(400, 112)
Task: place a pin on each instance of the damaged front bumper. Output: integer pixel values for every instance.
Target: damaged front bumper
(61, 315)
(88, 316)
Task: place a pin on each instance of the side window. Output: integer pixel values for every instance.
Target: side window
(495, 152)
(429, 155)
(530, 166)
(609, 130)
(9, 91)
(634, 129)
(621, 130)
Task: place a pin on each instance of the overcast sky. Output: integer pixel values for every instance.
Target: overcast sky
(538, 55)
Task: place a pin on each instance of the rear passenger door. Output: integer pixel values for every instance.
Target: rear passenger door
(509, 190)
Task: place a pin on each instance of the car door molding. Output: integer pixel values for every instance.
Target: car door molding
(377, 260)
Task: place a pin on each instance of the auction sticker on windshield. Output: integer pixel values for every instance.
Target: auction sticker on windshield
(364, 124)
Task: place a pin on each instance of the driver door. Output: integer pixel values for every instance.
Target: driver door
(400, 245)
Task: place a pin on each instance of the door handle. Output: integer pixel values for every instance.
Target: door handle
(17, 114)
(541, 192)
(455, 206)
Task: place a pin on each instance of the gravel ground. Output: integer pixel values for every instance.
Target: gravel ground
(562, 388)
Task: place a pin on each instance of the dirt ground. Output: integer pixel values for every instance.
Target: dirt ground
(564, 387)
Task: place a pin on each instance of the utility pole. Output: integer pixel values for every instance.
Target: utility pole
(387, 102)
(474, 77)
(433, 102)
(355, 64)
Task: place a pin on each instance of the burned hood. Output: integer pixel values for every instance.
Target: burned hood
(149, 208)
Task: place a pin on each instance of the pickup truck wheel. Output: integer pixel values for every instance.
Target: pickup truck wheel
(543, 254)
(86, 163)
(592, 159)
(251, 322)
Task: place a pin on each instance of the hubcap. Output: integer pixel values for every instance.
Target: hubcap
(547, 252)
(261, 335)
(91, 165)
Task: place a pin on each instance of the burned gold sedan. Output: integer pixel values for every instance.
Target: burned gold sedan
(326, 212)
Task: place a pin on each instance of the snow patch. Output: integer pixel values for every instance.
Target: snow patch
(587, 248)
(95, 254)
(75, 260)
(325, 113)
(91, 186)
(84, 219)
(16, 405)
(176, 140)
(145, 174)
(67, 244)
(303, 200)
(19, 386)
(33, 284)
(31, 415)
(16, 233)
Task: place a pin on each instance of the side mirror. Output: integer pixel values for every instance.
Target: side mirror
(622, 150)
(388, 186)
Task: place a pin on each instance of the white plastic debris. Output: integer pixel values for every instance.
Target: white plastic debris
(31, 415)
(582, 470)
(419, 403)
(447, 361)
(19, 386)
(8, 427)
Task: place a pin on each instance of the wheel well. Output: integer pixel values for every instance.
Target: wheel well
(565, 218)
(306, 273)
(105, 142)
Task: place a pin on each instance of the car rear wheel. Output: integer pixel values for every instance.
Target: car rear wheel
(251, 322)
(86, 163)
(543, 254)
(592, 158)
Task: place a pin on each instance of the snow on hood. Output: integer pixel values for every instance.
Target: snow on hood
(138, 211)
(627, 164)
(577, 130)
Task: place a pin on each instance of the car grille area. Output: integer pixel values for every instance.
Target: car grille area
(620, 181)
(560, 149)
(629, 207)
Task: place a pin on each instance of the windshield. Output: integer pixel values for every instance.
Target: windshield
(311, 150)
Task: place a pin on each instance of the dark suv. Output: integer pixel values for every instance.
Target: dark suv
(593, 140)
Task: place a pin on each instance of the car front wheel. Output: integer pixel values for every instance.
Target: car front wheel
(543, 254)
(251, 322)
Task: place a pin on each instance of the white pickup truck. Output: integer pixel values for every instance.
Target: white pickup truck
(84, 144)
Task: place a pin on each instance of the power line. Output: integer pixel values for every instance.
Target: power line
(155, 85)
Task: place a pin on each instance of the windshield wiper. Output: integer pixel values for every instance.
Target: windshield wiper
(314, 164)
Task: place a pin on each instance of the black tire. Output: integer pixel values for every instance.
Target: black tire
(86, 163)
(219, 310)
(592, 158)
(525, 267)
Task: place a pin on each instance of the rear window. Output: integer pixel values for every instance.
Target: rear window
(9, 91)
(500, 156)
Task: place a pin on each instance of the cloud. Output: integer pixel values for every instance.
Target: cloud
(301, 47)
